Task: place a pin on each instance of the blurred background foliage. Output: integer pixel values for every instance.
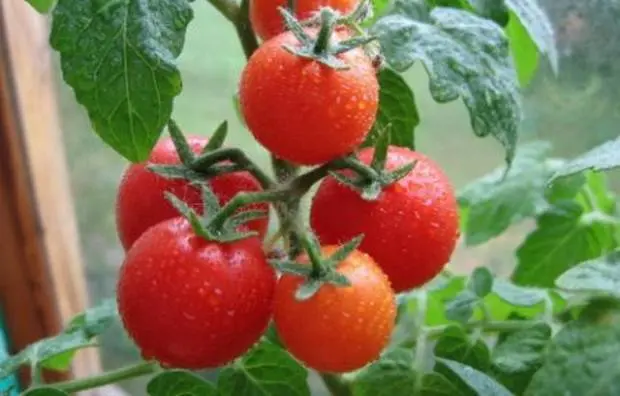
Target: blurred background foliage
(574, 111)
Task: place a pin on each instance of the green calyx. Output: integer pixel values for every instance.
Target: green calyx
(370, 180)
(322, 49)
(322, 269)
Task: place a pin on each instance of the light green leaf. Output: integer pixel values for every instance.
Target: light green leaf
(454, 344)
(461, 308)
(538, 26)
(599, 275)
(523, 350)
(42, 6)
(56, 352)
(119, 57)
(44, 391)
(397, 111)
(603, 157)
(560, 241)
(523, 49)
(391, 375)
(480, 383)
(496, 201)
(265, 370)
(481, 282)
(584, 358)
(518, 295)
(179, 383)
(466, 56)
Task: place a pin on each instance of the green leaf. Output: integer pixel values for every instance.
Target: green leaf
(44, 391)
(477, 381)
(397, 111)
(466, 56)
(265, 370)
(523, 49)
(494, 10)
(392, 375)
(56, 352)
(498, 200)
(518, 295)
(600, 275)
(179, 383)
(560, 241)
(481, 282)
(523, 350)
(42, 6)
(435, 384)
(454, 344)
(603, 157)
(538, 26)
(119, 57)
(584, 358)
(461, 308)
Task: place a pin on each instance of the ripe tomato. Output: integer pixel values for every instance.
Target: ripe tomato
(339, 329)
(267, 20)
(191, 303)
(411, 230)
(303, 111)
(141, 203)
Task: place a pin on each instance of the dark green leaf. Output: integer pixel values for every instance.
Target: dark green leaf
(522, 350)
(603, 157)
(461, 308)
(565, 188)
(398, 114)
(119, 57)
(481, 282)
(494, 10)
(435, 384)
(523, 49)
(477, 381)
(466, 56)
(518, 295)
(584, 358)
(454, 344)
(391, 375)
(265, 370)
(560, 241)
(498, 200)
(179, 383)
(44, 391)
(538, 26)
(599, 275)
(42, 6)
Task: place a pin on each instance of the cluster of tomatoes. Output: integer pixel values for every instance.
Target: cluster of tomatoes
(190, 302)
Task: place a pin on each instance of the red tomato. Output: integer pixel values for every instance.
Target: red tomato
(141, 202)
(339, 329)
(267, 20)
(191, 303)
(303, 111)
(411, 230)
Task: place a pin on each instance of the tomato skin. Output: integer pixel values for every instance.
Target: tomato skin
(191, 303)
(339, 329)
(411, 230)
(267, 21)
(140, 201)
(303, 111)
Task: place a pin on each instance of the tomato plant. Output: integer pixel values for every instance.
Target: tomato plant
(368, 295)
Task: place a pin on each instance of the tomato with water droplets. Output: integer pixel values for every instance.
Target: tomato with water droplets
(140, 202)
(267, 20)
(410, 230)
(302, 110)
(192, 303)
(339, 329)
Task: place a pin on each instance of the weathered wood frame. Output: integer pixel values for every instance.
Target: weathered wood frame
(42, 281)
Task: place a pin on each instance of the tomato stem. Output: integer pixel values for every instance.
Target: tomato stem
(242, 199)
(328, 21)
(314, 254)
(336, 385)
(110, 377)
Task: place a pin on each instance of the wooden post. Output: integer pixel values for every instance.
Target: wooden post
(42, 281)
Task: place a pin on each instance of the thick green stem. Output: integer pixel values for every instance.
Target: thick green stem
(110, 377)
(246, 34)
(242, 199)
(313, 253)
(328, 21)
(356, 165)
(228, 8)
(238, 157)
(336, 385)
